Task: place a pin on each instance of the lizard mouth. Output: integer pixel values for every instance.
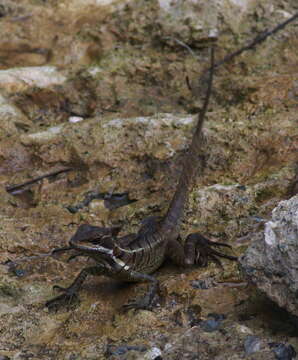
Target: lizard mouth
(99, 245)
(92, 249)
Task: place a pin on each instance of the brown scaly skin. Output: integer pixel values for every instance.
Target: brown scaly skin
(134, 257)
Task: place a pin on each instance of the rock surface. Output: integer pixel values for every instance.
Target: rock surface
(98, 100)
(271, 262)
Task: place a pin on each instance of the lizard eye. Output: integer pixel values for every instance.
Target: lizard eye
(92, 241)
(104, 241)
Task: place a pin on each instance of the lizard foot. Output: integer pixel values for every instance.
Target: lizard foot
(141, 303)
(204, 250)
(146, 302)
(136, 305)
(67, 298)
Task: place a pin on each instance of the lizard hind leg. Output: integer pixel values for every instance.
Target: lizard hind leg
(146, 301)
(199, 250)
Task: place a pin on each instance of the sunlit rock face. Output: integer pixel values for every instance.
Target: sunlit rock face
(272, 262)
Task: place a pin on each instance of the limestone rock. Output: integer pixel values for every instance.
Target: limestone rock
(272, 262)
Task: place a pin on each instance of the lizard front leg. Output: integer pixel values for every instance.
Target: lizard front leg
(197, 250)
(69, 294)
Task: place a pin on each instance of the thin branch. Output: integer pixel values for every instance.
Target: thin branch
(202, 113)
(12, 264)
(13, 189)
(258, 40)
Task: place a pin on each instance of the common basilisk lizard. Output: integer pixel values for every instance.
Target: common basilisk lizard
(135, 257)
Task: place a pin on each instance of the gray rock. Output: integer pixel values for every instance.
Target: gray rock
(152, 354)
(22, 78)
(272, 262)
(283, 352)
(252, 344)
(189, 21)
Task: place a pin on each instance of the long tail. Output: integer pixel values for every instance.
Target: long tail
(176, 209)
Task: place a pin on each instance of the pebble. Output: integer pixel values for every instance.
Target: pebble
(153, 354)
(252, 344)
(213, 323)
(282, 351)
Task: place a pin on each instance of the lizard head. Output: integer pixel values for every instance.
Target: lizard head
(89, 239)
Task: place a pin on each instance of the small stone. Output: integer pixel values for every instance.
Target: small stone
(121, 350)
(75, 119)
(202, 284)
(242, 329)
(213, 323)
(283, 352)
(210, 325)
(20, 272)
(252, 344)
(152, 354)
(218, 317)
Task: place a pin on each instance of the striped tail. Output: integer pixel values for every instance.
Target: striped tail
(174, 216)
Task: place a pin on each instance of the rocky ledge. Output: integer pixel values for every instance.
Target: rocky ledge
(271, 262)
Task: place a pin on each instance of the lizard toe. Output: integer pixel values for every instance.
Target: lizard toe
(67, 298)
(59, 288)
(138, 304)
(205, 250)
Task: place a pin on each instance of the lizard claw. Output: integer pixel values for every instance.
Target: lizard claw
(59, 288)
(67, 298)
(204, 250)
(142, 303)
(129, 306)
